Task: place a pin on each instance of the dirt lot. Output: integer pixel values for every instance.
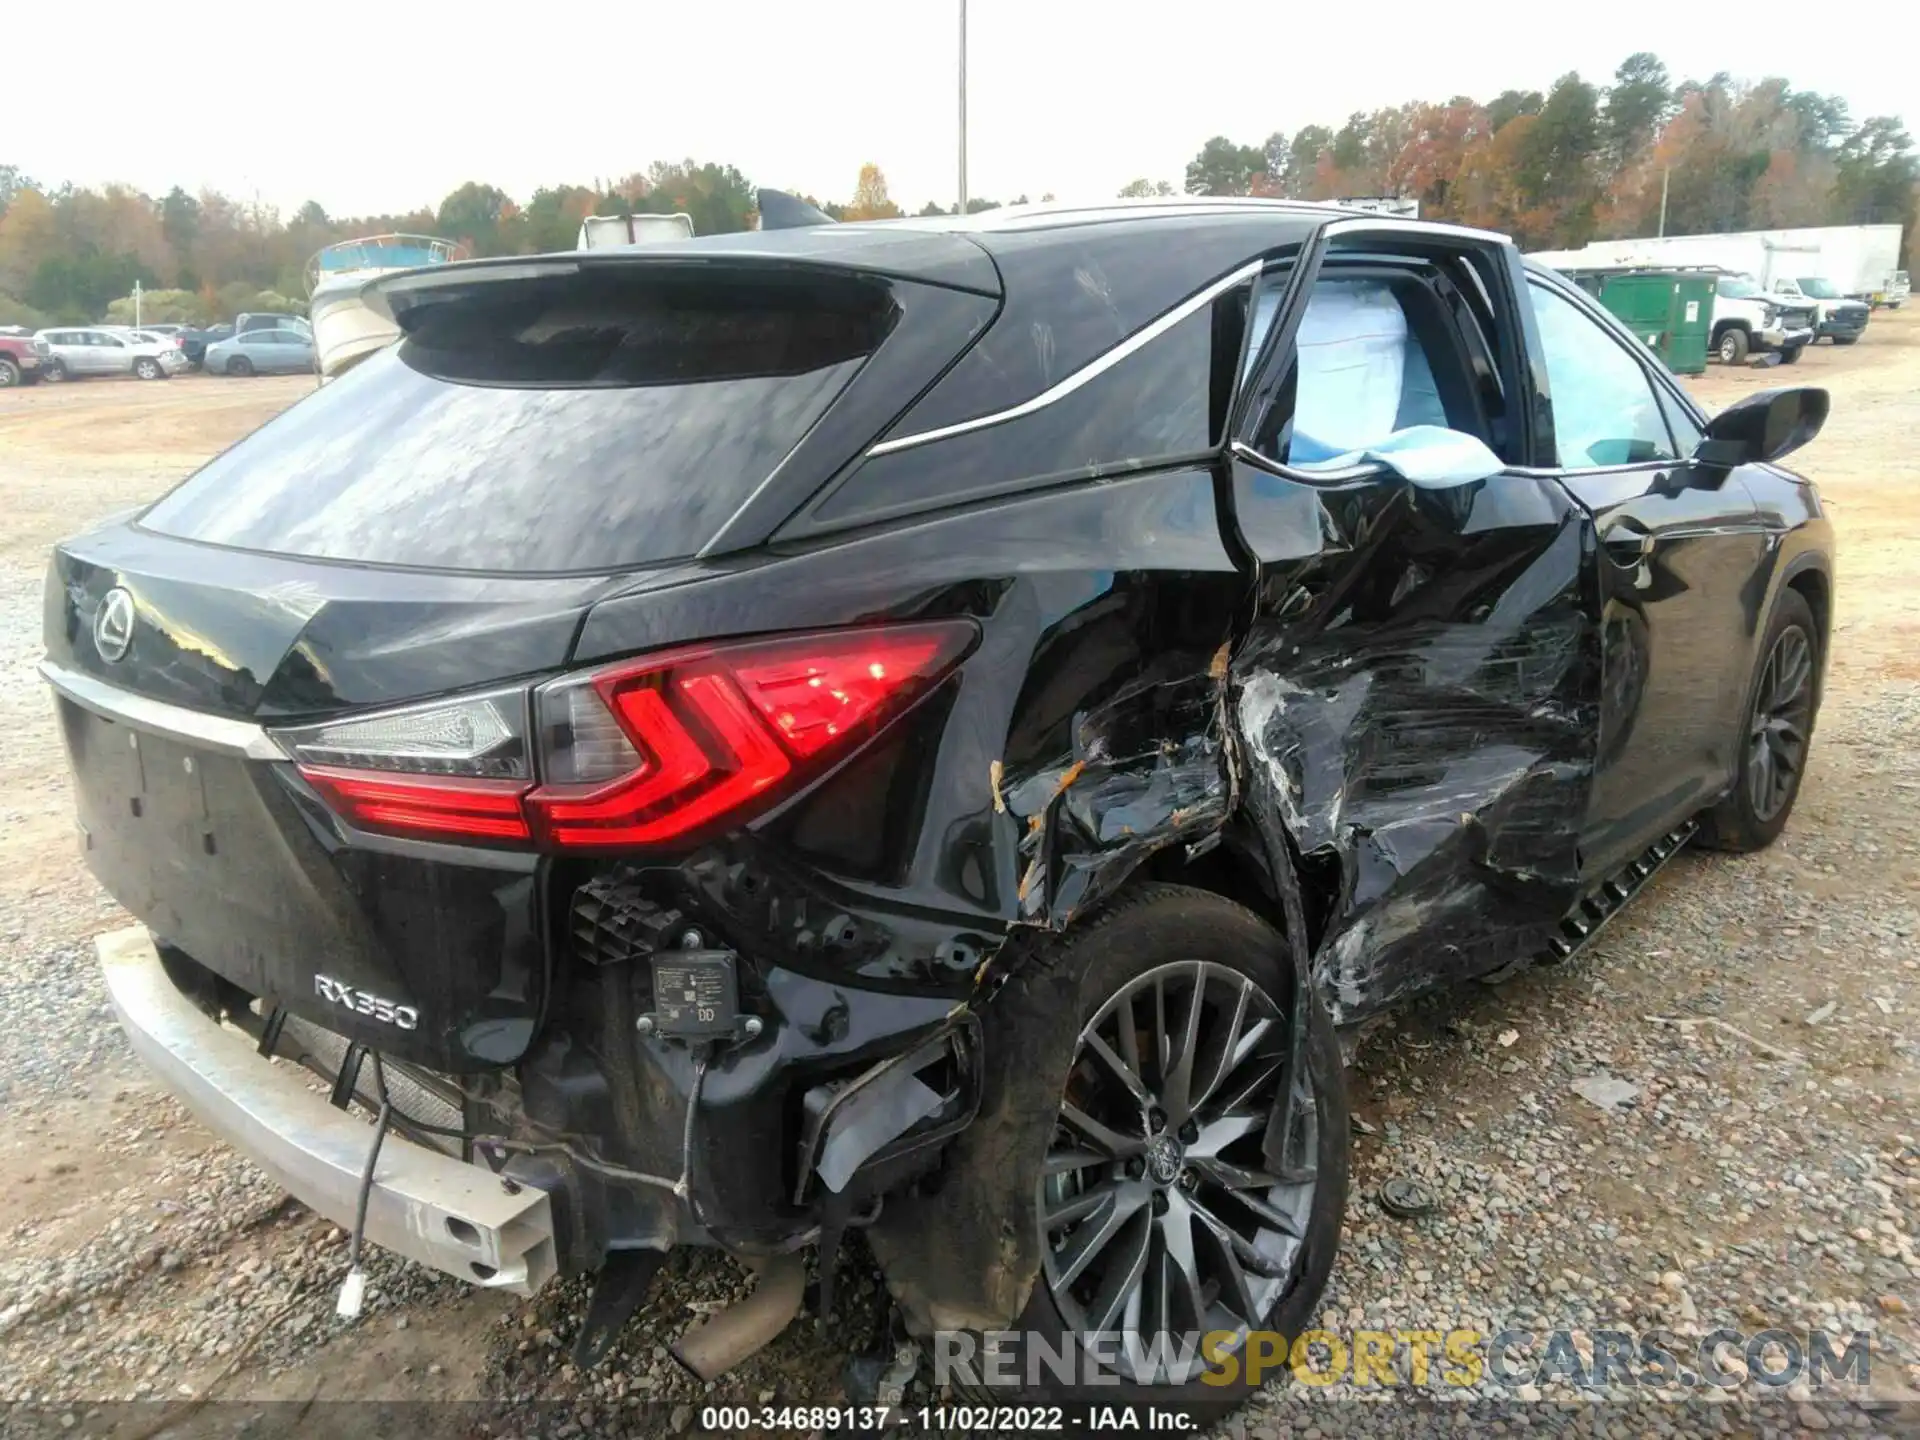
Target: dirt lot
(1738, 1187)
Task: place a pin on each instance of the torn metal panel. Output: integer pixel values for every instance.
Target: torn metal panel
(1417, 702)
(1125, 791)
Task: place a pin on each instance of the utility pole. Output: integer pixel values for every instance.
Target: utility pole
(1665, 175)
(136, 304)
(963, 107)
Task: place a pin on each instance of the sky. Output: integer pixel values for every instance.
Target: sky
(385, 108)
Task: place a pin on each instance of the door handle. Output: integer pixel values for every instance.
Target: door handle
(1628, 542)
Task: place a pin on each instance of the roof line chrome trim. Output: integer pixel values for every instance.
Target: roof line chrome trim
(1092, 370)
(233, 737)
(1362, 224)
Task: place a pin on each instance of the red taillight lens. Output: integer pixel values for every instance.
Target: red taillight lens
(709, 731)
(635, 754)
(812, 698)
(443, 806)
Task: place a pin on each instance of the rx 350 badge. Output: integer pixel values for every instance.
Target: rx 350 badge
(362, 1002)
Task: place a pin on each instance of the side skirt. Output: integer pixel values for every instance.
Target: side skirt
(1591, 914)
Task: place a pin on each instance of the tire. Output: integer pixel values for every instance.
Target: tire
(9, 373)
(1166, 940)
(1845, 339)
(147, 368)
(1790, 354)
(1776, 732)
(55, 372)
(239, 365)
(1731, 347)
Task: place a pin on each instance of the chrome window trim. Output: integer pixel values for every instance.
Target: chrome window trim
(1363, 471)
(176, 722)
(1561, 472)
(1092, 370)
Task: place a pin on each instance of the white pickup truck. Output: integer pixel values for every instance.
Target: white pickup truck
(1836, 318)
(1747, 318)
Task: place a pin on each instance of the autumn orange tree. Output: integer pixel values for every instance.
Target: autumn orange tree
(870, 198)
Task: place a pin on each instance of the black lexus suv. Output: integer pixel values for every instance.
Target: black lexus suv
(931, 728)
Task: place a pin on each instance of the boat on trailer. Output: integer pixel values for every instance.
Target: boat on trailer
(345, 330)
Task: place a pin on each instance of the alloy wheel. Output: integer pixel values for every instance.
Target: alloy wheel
(1782, 714)
(1160, 1216)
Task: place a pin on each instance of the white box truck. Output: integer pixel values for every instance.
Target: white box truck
(1859, 262)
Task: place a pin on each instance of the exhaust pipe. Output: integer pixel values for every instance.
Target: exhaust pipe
(722, 1341)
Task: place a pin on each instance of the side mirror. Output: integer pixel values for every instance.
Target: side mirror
(1765, 426)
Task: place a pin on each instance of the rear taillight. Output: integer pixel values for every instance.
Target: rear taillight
(656, 749)
(442, 806)
(630, 755)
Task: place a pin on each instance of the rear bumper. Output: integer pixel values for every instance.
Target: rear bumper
(433, 1209)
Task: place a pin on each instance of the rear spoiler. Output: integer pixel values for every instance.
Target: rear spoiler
(925, 257)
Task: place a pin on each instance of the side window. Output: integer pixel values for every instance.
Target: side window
(1604, 411)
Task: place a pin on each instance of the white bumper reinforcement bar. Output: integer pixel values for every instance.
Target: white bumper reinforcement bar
(430, 1207)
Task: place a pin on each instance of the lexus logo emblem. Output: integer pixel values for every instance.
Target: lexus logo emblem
(113, 626)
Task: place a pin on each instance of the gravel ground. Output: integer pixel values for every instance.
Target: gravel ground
(1761, 1171)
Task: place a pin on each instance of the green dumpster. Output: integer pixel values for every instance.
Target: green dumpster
(1671, 310)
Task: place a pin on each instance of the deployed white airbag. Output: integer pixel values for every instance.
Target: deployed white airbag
(1352, 345)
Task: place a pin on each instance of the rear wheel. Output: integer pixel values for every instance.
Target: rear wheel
(1731, 346)
(9, 373)
(56, 371)
(1161, 1216)
(147, 368)
(239, 365)
(1845, 339)
(1776, 734)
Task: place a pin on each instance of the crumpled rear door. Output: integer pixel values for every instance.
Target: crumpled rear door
(1415, 696)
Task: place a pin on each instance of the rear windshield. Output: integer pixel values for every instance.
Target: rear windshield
(588, 423)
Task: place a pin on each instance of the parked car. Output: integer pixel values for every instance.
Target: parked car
(1836, 318)
(1747, 318)
(760, 750)
(70, 352)
(194, 342)
(261, 352)
(269, 320)
(1899, 288)
(19, 361)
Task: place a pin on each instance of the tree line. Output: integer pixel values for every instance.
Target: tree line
(1584, 161)
(1578, 162)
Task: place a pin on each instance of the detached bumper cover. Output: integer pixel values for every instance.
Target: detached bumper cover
(432, 1208)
